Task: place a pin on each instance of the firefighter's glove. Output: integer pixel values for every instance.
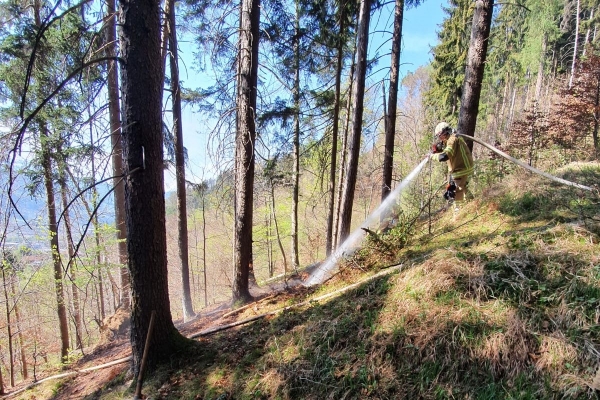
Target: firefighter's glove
(450, 192)
(433, 156)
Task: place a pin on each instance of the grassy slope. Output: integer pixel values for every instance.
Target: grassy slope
(502, 302)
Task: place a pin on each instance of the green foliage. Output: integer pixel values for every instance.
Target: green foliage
(527, 206)
(552, 201)
(449, 61)
(492, 170)
(542, 30)
(61, 50)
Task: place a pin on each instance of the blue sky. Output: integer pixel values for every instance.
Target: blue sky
(420, 28)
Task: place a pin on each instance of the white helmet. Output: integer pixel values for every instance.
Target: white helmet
(441, 128)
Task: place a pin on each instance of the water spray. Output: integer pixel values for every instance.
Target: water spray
(328, 268)
(385, 211)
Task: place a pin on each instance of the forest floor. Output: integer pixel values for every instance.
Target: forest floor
(115, 346)
(499, 301)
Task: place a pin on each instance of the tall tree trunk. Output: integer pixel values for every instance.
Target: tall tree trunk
(46, 162)
(1, 383)
(344, 152)
(188, 309)
(244, 149)
(94, 217)
(480, 33)
(277, 234)
(114, 288)
(390, 123)
(595, 35)
(540, 74)
(56, 259)
(196, 284)
(505, 96)
(357, 120)
(526, 94)
(574, 62)
(204, 265)
(513, 101)
(552, 79)
(142, 83)
(99, 286)
(72, 269)
(9, 333)
(329, 242)
(296, 143)
(20, 332)
(596, 117)
(587, 33)
(269, 233)
(114, 111)
(97, 253)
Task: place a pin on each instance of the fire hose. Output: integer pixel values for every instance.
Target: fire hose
(526, 166)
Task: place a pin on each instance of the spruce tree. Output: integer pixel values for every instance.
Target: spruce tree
(449, 61)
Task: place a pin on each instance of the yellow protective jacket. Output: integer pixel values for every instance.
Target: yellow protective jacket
(460, 159)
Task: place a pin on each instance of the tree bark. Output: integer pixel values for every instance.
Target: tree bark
(114, 111)
(20, 332)
(142, 83)
(188, 309)
(244, 150)
(56, 259)
(357, 120)
(9, 333)
(274, 215)
(1, 383)
(269, 233)
(596, 117)
(480, 32)
(390, 123)
(296, 143)
(72, 269)
(97, 255)
(540, 74)
(587, 33)
(344, 153)
(94, 218)
(204, 249)
(574, 62)
(329, 242)
(46, 163)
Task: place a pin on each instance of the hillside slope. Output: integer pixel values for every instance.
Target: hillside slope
(501, 301)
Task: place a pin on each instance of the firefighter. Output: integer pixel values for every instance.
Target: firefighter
(451, 148)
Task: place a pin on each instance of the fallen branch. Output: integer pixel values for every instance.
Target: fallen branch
(237, 310)
(66, 375)
(140, 379)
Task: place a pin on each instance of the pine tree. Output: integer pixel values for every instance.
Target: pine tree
(182, 226)
(247, 82)
(351, 167)
(449, 61)
(142, 86)
(42, 56)
(478, 45)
